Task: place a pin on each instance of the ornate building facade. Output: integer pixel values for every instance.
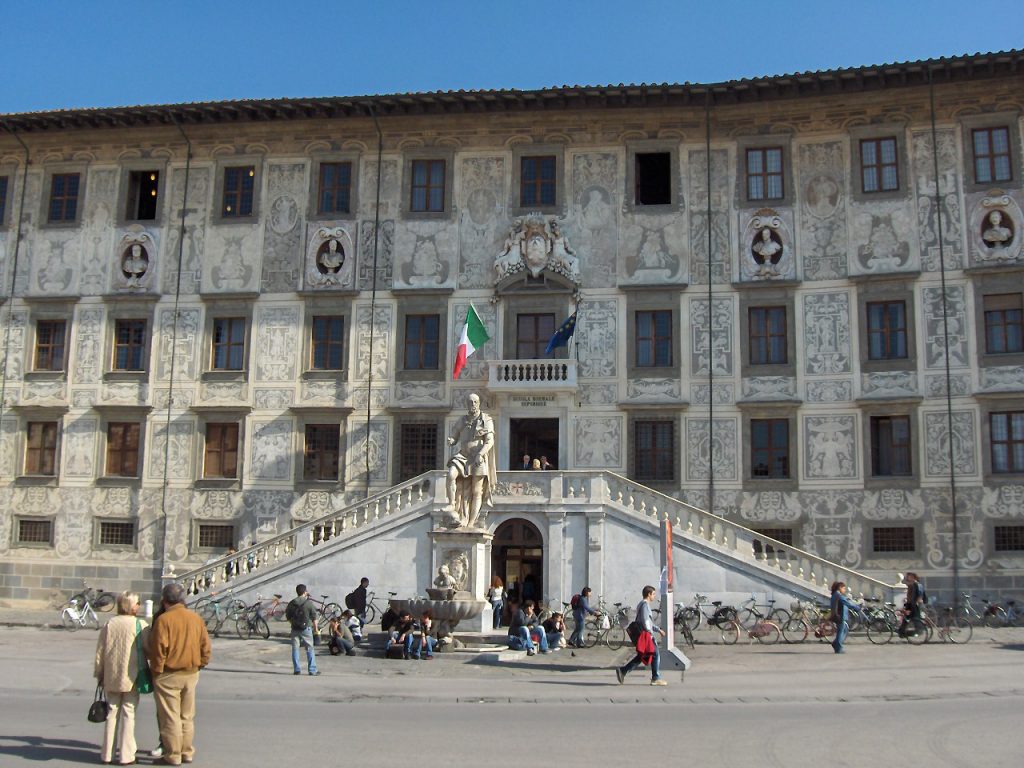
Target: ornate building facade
(798, 304)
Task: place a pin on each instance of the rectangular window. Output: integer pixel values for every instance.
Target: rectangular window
(533, 332)
(129, 345)
(221, 453)
(41, 448)
(335, 191)
(418, 446)
(878, 167)
(143, 187)
(421, 342)
(769, 448)
(328, 345)
(655, 451)
(123, 449)
(239, 182)
(1007, 441)
(654, 339)
(537, 181)
(116, 533)
(50, 336)
(216, 536)
(427, 188)
(767, 336)
(35, 531)
(3, 199)
(653, 172)
(228, 343)
(991, 155)
(887, 330)
(321, 453)
(766, 548)
(63, 197)
(1008, 538)
(764, 174)
(1004, 323)
(892, 539)
(890, 446)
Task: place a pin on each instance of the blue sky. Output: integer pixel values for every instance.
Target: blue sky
(59, 54)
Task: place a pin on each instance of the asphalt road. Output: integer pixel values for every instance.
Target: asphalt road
(936, 705)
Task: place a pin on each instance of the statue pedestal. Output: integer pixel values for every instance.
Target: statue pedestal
(465, 552)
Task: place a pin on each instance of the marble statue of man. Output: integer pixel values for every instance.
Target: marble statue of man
(471, 472)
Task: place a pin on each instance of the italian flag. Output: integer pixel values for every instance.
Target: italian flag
(474, 336)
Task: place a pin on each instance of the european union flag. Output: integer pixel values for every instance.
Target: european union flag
(562, 335)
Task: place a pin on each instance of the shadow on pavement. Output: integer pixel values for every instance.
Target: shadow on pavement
(42, 749)
(1012, 646)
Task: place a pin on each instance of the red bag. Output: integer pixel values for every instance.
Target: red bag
(645, 647)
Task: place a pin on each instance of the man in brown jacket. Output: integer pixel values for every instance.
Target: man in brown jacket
(179, 647)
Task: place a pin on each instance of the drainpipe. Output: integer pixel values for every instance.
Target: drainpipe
(945, 340)
(711, 340)
(373, 287)
(14, 273)
(174, 355)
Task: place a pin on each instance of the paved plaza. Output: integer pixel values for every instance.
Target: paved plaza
(792, 705)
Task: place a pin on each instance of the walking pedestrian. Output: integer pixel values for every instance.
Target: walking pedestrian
(841, 606)
(496, 595)
(580, 610)
(646, 646)
(356, 600)
(179, 648)
(913, 605)
(119, 660)
(302, 615)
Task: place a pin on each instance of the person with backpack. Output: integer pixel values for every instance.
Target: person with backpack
(841, 606)
(301, 613)
(580, 605)
(646, 646)
(356, 600)
(913, 605)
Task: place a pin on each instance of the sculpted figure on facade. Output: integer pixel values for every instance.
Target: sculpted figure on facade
(472, 474)
(329, 262)
(535, 245)
(996, 235)
(135, 251)
(767, 255)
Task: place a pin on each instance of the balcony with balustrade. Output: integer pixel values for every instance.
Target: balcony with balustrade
(531, 376)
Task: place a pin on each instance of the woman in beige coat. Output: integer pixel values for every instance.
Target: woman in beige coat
(117, 666)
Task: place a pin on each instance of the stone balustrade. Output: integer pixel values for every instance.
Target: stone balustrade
(531, 375)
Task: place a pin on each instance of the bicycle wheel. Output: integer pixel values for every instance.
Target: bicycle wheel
(730, 632)
(261, 628)
(90, 619)
(749, 618)
(333, 610)
(243, 627)
(69, 621)
(371, 613)
(921, 635)
(691, 617)
(767, 633)
(795, 630)
(995, 619)
(686, 634)
(958, 630)
(854, 620)
(235, 609)
(104, 602)
(879, 631)
(615, 637)
(277, 611)
(779, 616)
(591, 633)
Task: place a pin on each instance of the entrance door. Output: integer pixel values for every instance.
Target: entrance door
(517, 554)
(536, 437)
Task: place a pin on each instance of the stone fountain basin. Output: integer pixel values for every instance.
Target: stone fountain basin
(449, 611)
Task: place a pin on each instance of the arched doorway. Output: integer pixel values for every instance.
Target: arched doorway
(517, 554)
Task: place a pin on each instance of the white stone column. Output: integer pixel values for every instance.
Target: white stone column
(555, 559)
(595, 551)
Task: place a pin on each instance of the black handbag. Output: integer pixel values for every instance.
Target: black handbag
(99, 709)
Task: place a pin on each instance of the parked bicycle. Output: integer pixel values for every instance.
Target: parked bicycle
(693, 614)
(218, 610)
(97, 599)
(750, 613)
(74, 615)
(252, 622)
(327, 610)
(374, 606)
(762, 630)
(950, 627)
(607, 627)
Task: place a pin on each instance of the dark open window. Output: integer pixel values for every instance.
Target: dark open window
(890, 446)
(894, 539)
(41, 448)
(654, 339)
(533, 332)
(63, 197)
(335, 191)
(769, 448)
(878, 165)
(35, 531)
(143, 187)
(328, 345)
(239, 183)
(421, 342)
(537, 181)
(418, 449)
(991, 155)
(50, 335)
(1008, 538)
(228, 343)
(123, 449)
(1004, 323)
(887, 330)
(1007, 441)
(654, 447)
(221, 453)
(427, 188)
(767, 336)
(129, 345)
(321, 452)
(653, 178)
(764, 174)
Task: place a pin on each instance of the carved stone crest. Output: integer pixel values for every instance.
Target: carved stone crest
(536, 244)
(330, 259)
